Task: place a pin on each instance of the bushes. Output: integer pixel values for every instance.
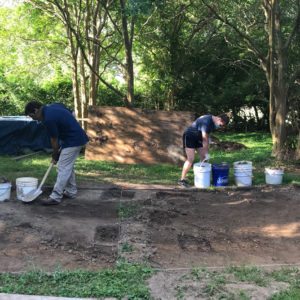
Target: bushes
(15, 92)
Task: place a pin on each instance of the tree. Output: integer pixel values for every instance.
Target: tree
(33, 60)
(177, 33)
(266, 29)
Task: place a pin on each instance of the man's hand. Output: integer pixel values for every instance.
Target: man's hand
(55, 157)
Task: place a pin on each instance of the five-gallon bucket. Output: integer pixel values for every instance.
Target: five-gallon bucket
(243, 173)
(220, 174)
(202, 175)
(5, 189)
(273, 176)
(25, 185)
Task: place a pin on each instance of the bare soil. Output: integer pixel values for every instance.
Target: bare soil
(168, 226)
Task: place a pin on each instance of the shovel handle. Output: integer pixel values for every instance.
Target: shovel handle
(46, 175)
(26, 155)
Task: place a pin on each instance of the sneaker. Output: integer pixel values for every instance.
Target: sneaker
(183, 182)
(49, 201)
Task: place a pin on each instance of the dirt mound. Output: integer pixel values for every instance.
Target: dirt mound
(226, 146)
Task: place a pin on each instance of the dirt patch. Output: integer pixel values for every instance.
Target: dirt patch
(226, 146)
(169, 227)
(80, 233)
(149, 136)
(178, 284)
(219, 228)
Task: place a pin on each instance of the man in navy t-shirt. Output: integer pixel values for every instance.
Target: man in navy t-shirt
(196, 138)
(67, 138)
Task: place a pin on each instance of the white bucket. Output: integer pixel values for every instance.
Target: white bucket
(273, 176)
(244, 165)
(243, 173)
(25, 185)
(202, 175)
(5, 191)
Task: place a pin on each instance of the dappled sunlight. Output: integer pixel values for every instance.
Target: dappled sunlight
(290, 230)
(2, 226)
(136, 136)
(238, 202)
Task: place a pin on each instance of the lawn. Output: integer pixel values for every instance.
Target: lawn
(259, 153)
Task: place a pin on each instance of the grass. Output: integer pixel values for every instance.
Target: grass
(250, 274)
(258, 152)
(219, 284)
(128, 280)
(126, 210)
(125, 280)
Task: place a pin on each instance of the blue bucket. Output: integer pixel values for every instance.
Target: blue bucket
(220, 174)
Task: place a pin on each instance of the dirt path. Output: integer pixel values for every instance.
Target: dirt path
(167, 226)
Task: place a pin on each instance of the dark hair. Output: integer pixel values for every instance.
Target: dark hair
(31, 106)
(224, 118)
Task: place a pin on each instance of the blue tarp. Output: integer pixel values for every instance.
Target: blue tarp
(19, 133)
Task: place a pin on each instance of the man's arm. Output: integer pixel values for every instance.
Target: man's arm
(204, 150)
(55, 147)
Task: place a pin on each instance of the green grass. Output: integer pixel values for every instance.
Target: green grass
(213, 284)
(250, 274)
(258, 152)
(125, 280)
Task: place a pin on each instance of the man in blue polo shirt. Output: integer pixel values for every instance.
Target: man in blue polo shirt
(66, 138)
(196, 138)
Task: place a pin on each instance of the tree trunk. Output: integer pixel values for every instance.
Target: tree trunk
(128, 68)
(77, 107)
(169, 104)
(94, 54)
(276, 73)
(93, 79)
(278, 127)
(75, 84)
(83, 84)
(297, 154)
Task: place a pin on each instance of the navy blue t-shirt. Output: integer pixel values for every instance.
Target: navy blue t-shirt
(201, 124)
(61, 124)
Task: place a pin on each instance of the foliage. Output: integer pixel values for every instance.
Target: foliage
(135, 7)
(16, 92)
(292, 293)
(126, 247)
(250, 274)
(107, 97)
(32, 65)
(127, 210)
(125, 280)
(191, 67)
(184, 59)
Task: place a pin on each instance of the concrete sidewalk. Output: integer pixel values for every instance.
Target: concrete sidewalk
(28, 297)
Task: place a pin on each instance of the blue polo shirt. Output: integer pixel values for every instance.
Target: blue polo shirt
(61, 124)
(202, 124)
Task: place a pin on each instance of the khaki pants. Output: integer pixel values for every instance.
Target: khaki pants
(65, 181)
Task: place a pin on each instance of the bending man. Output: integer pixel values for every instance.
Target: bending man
(196, 138)
(65, 134)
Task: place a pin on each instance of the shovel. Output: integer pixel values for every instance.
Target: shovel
(35, 193)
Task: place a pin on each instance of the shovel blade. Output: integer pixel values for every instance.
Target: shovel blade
(32, 195)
